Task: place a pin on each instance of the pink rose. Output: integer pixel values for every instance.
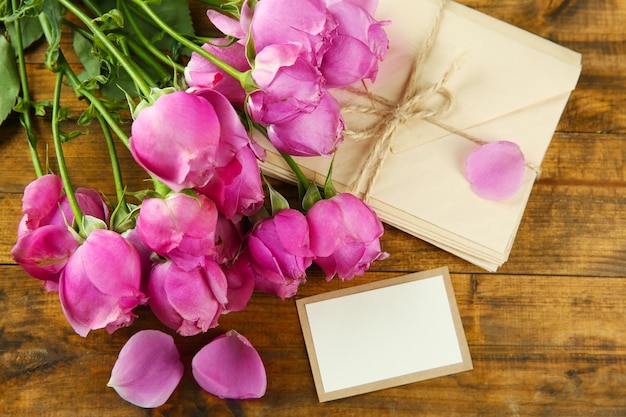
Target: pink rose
(240, 278)
(360, 43)
(289, 84)
(345, 235)
(100, 284)
(189, 302)
(310, 134)
(235, 28)
(41, 202)
(176, 140)
(201, 73)
(179, 227)
(236, 188)
(305, 22)
(279, 249)
(228, 238)
(43, 253)
(44, 203)
(44, 241)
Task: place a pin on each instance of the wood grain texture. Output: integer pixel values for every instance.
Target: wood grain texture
(546, 332)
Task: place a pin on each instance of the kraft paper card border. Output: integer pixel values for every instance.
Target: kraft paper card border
(383, 334)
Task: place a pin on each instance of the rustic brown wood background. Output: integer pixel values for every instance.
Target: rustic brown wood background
(547, 332)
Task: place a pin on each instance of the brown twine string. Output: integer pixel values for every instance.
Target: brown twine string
(412, 106)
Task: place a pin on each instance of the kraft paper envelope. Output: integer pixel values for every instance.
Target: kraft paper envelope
(509, 85)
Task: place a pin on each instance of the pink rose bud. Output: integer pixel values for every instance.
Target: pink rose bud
(176, 140)
(148, 369)
(496, 170)
(189, 302)
(44, 252)
(345, 236)
(279, 248)
(230, 367)
(179, 227)
(99, 286)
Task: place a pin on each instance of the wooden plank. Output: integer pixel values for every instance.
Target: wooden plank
(535, 342)
(546, 332)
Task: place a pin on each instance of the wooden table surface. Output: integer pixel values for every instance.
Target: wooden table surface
(547, 332)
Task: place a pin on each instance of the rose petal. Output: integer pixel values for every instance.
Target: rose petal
(230, 367)
(147, 370)
(496, 170)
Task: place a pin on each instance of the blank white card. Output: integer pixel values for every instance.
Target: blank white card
(383, 334)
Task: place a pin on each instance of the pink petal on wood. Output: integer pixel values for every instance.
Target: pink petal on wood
(148, 369)
(230, 367)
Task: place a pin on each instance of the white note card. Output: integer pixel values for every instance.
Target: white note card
(383, 334)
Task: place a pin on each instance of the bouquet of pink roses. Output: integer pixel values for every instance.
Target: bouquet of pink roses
(210, 231)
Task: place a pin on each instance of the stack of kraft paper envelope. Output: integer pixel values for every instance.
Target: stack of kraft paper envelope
(509, 85)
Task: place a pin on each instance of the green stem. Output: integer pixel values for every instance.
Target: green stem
(109, 46)
(302, 179)
(92, 99)
(162, 74)
(26, 115)
(56, 136)
(239, 76)
(146, 43)
(76, 85)
(94, 8)
(142, 73)
(134, 46)
(115, 164)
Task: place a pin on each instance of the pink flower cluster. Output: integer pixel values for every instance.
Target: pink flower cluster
(301, 49)
(199, 246)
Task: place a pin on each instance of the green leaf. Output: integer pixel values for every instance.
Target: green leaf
(52, 11)
(277, 201)
(123, 217)
(9, 81)
(111, 20)
(66, 137)
(28, 8)
(90, 223)
(31, 31)
(231, 7)
(176, 13)
(311, 196)
(84, 51)
(329, 188)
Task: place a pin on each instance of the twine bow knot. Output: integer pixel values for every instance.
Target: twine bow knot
(416, 104)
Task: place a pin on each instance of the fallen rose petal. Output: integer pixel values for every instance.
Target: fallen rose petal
(148, 369)
(230, 367)
(496, 170)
